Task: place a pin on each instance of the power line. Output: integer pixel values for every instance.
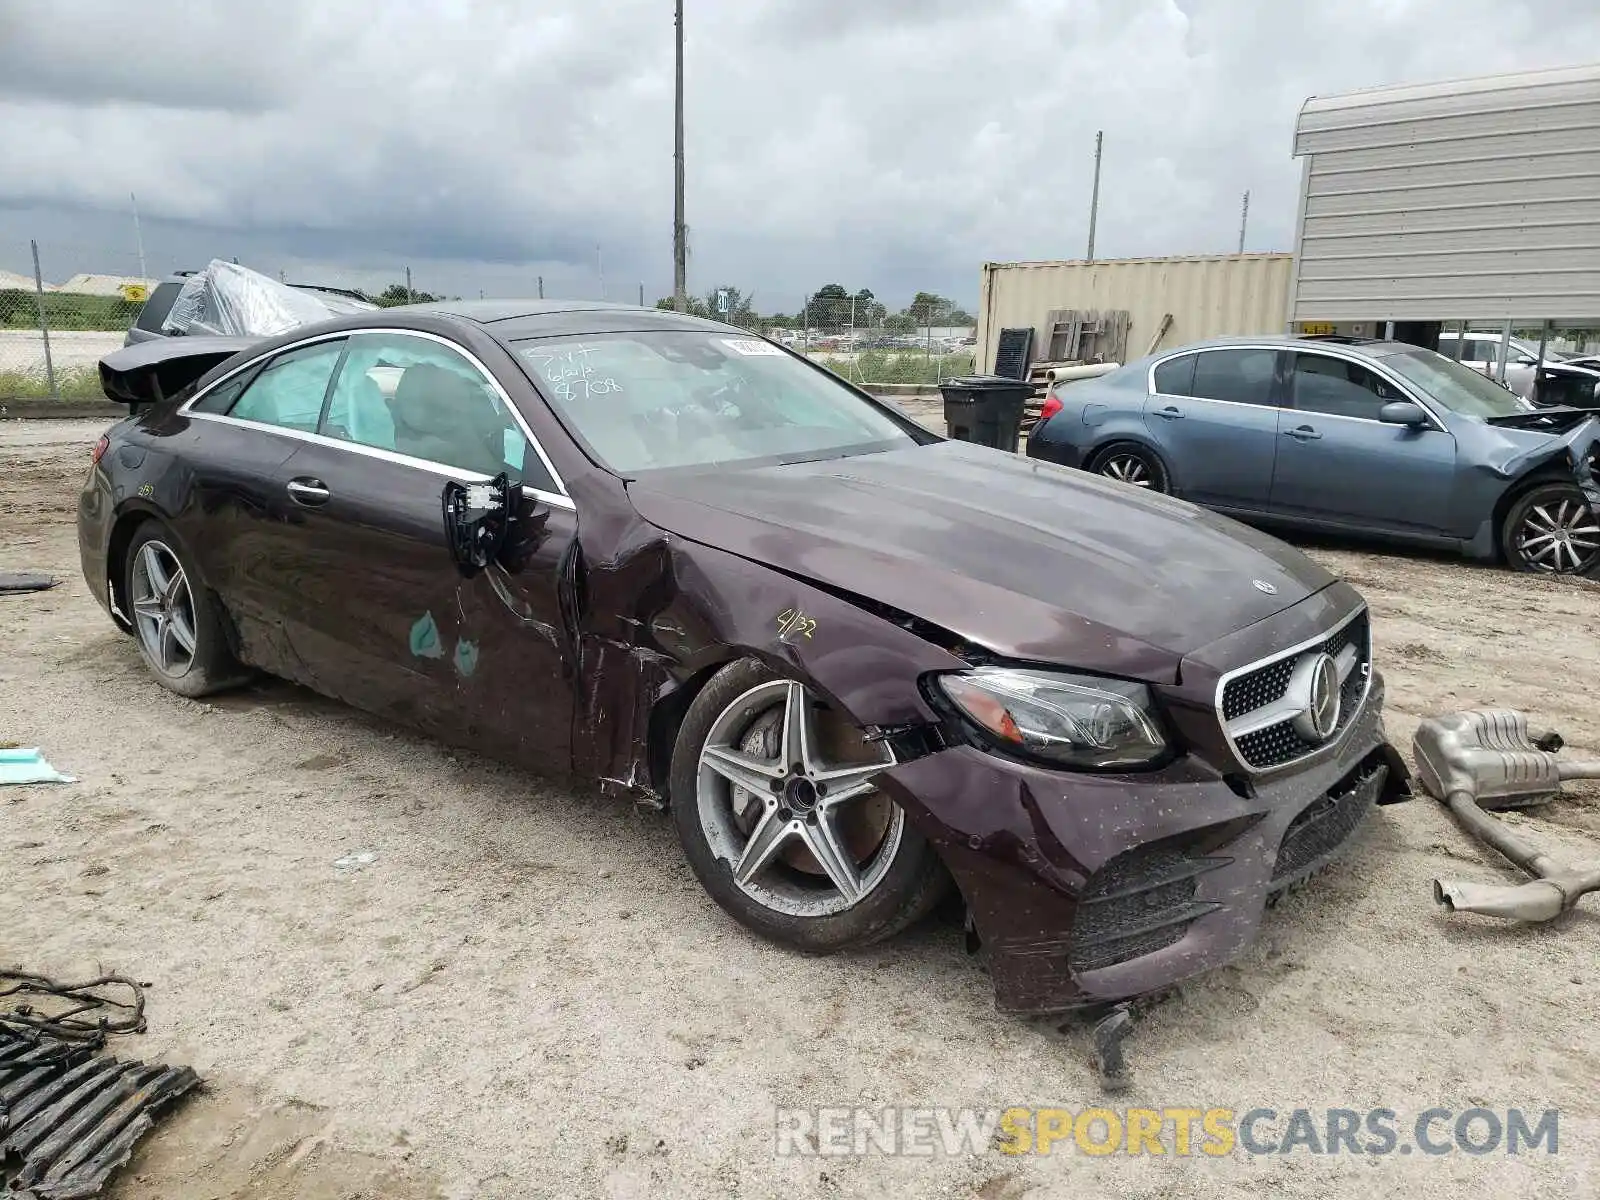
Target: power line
(680, 234)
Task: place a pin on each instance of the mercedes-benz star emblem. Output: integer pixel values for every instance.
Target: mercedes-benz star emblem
(1317, 677)
(1263, 586)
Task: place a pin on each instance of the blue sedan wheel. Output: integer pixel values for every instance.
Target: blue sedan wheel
(1553, 530)
(1133, 465)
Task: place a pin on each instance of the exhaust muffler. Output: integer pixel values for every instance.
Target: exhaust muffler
(1488, 759)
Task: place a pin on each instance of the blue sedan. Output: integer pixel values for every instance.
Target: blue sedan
(1370, 438)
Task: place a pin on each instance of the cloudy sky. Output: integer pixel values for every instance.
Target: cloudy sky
(890, 144)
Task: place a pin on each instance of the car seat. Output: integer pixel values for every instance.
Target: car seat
(446, 418)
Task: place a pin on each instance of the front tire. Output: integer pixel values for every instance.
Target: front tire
(177, 621)
(773, 801)
(1552, 530)
(1130, 463)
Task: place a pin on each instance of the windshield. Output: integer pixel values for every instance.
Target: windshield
(687, 398)
(1458, 388)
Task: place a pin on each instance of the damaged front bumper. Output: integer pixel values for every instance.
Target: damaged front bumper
(1090, 889)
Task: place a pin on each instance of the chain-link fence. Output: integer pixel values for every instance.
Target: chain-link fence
(880, 365)
(53, 336)
(55, 325)
(55, 328)
(876, 356)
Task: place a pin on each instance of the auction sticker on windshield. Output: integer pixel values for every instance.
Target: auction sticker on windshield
(751, 346)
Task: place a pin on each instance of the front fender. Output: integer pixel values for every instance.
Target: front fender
(1580, 446)
(864, 662)
(647, 613)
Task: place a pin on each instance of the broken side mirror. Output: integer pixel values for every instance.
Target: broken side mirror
(495, 521)
(477, 519)
(1403, 412)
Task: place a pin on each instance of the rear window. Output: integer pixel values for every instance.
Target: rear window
(1175, 376)
(156, 308)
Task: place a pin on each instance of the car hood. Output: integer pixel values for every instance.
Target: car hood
(1027, 559)
(1518, 441)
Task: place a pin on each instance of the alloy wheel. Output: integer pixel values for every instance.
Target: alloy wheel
(786, 798)
(163, 608)
(1559, 536)
(1130, 469)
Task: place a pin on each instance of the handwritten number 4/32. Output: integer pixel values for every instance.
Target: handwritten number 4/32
(793, 622)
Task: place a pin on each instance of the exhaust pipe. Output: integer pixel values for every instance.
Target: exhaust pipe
(1489, 759)
(1540, 900)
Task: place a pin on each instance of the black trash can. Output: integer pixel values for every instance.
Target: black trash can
(986, 409)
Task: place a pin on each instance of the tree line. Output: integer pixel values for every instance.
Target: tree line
(832, 306)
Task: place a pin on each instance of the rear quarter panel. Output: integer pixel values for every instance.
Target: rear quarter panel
(1094, 413)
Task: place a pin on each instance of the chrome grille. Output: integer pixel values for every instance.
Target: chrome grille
(1256, 690)
(1263, 706)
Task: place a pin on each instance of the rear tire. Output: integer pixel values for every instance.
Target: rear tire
(787, 894)
(1133, 464)
(177, 620)
(1552, 530)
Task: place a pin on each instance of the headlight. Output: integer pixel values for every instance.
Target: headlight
(1072, 720)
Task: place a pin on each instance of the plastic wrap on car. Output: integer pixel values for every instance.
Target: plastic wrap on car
(233, 301)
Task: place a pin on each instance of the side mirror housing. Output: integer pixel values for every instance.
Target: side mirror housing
(492, 522)
(1597, 395)
(1403, 412)
(477, 518)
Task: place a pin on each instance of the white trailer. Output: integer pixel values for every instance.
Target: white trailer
(1473, 202)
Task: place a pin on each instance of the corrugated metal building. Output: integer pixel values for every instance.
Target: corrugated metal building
(1477, 200)
(1206, 297)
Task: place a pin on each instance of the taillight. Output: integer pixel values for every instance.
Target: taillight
(100, 448)
(1052, 405)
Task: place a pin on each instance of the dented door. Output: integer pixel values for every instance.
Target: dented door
(380, 617)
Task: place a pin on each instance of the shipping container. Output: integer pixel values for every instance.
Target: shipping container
(1169, 301)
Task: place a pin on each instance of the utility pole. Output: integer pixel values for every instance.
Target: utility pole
(410, 295)
(138, 237)
(1244, 220)
(1094, 196)
(541, 287)
(641, 295)
(44, 323)
(680, 234)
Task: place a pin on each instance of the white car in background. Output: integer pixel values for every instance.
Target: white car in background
(1481, 352)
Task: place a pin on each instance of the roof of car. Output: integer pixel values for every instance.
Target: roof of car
(514, 320)
(1371, 347)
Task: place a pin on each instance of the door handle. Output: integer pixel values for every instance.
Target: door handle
(1303, 433)
(309, 492)
(1170, 413)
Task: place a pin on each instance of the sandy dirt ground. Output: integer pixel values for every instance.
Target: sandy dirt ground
(525, 993)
